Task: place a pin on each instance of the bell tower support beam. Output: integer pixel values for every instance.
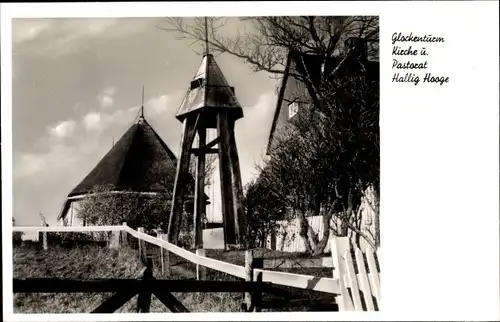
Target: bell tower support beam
(199, 192)
(188, 133)
(226, 183)
(237, 187)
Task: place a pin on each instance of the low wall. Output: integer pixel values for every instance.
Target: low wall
(213, 238)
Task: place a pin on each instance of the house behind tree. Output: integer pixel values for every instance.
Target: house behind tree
(295, 96)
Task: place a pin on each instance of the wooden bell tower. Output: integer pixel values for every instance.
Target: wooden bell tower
(210, 103)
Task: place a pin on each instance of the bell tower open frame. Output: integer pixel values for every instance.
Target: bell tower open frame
(210, 103)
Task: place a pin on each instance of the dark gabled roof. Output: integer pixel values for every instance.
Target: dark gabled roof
(281, 93)
(209, 90)
(312, 64)
(301, 62)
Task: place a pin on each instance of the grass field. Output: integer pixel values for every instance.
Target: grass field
(92, 262)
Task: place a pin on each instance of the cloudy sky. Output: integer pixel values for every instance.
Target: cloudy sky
(77, 86)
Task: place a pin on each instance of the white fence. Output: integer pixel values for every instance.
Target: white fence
(359, 283)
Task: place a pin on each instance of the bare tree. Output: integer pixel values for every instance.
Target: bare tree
(265, 42)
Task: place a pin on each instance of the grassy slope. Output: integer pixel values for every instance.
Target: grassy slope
(92, 263)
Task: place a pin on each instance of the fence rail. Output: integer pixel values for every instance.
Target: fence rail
(56, 285)
(324, 284)
(67, 229)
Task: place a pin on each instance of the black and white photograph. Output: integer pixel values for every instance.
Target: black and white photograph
(250, 161)
(198, 164)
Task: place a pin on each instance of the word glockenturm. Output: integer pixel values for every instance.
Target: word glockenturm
(400, 37)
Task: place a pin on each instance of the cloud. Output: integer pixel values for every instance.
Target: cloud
(106, 98)
(61, 160)
(157, 104)
(61, 36)
(28, 164)
(25, 30)
(68, 160)
(107, 101)
(42, 166)
(98, 121)
(252, 133)
(92, 121)
(96, 26)
(76, 107)
(63, 130)
(154, 106)
(120, 117)
(160, 104)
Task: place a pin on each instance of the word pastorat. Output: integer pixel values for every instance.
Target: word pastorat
(408, 65)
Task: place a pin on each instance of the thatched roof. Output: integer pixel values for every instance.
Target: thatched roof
(130, 164)
(138, 162)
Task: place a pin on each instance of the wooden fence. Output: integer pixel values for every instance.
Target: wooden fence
(357, 286)
(144, 286)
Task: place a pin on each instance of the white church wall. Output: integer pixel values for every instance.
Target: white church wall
(71, 219)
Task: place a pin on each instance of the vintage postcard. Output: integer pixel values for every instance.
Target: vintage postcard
(234, 160)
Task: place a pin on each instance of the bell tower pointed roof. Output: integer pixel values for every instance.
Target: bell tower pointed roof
(209, 91)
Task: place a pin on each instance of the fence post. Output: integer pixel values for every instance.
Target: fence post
(114, 241)
(248, 277)
(339, 246)
(257, 296)
(124, 236)
(142, 247)
(45, 242)
(144, 298)
(200, 270)
(44, 236)
(164, 257)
